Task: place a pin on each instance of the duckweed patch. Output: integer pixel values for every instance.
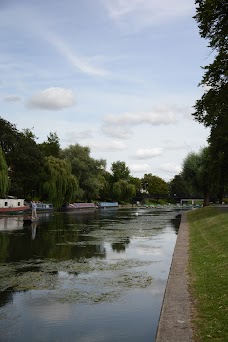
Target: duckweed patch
(70, 274)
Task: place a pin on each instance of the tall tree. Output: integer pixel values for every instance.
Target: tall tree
(212, 108)
(197, 173)
(23, 158)
(155, 185)
(4, 182)
(51, 147)
(120, 171)
(89, 171)
(60, 185)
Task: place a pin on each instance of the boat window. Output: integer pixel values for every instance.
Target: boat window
(6, 203)
(18, 203)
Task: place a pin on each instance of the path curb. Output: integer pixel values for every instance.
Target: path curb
(175, 319)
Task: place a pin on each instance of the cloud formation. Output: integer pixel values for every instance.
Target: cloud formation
(156, 118)
(140, 168)
(111, 146)
(52, 99)
(119, 126)
(138, 14)
(170, 168)
(148, 153)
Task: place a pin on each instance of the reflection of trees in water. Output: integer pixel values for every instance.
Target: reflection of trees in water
(6, 297)
(175, 223)
(120, 246)
(70, 236)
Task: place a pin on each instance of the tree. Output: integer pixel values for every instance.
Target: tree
(4, 182)
(212, 108)
(123, 190)
(51, 147)
(60, 185)
(179, 187)
(120, 171)
(197, 172)
(155, 185)
(88, 170)
(23, 158)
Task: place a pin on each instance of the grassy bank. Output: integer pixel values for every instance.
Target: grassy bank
(208, 268)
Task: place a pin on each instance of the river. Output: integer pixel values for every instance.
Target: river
(92, 277)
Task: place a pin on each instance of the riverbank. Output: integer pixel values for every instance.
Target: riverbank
(175, 320)
(195, 300)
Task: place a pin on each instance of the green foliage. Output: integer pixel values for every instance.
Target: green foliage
(23, 158)
(212, 108)
(51, 147)
(197, 173)
(4, 182)
(120, 171)
(179, 187)
(60, 185)
(155, 185)
(88, 170)
(123, 191)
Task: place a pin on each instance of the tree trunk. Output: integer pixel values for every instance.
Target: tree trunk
(206, 198)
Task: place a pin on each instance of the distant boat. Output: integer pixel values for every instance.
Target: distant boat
(12, 206)
(77, 207)
(41, 207)
(108, 205)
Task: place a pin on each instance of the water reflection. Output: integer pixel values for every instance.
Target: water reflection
(114, 259)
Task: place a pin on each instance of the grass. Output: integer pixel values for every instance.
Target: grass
(208, 269)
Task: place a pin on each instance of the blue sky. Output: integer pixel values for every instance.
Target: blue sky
(119, 76)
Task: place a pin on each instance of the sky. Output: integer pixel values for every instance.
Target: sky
(118, 76)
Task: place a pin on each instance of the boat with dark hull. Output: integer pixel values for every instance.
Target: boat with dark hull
(41, 207)
(77, 207)
(108, 205)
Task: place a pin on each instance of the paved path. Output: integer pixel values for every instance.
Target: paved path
(175, 319)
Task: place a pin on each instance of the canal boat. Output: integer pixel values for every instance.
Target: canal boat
(12, 206)
(77, 207)
(41, 207)
(108, 205)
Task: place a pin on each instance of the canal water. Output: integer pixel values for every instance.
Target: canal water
(88, 277)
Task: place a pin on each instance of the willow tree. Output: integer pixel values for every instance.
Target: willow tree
(3, 175)
(60, 185)
(123, 191)
(89, 171)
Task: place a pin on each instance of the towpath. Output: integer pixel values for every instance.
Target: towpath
(175, 320)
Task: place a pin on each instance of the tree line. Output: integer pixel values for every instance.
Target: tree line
(47, 172)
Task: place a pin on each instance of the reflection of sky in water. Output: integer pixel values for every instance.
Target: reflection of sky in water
(103, 240)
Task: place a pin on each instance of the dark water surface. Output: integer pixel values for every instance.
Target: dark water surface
(85, 277)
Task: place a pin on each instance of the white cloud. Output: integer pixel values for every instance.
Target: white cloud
(140, 168)
(72, 137)
(52, 99)
(138, 14)
(148, 153)
(116, 131)
(170, 168)
(159, 116)
(83, 64)
(111, 146)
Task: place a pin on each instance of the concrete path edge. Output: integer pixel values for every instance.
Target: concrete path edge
(175, 318)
